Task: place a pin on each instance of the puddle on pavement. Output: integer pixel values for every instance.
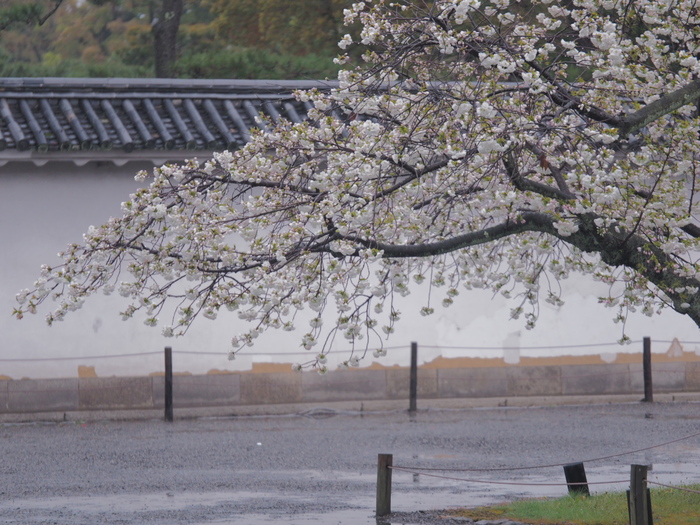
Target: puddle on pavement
(410, 493)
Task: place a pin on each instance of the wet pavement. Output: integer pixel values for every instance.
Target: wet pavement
(304, 470)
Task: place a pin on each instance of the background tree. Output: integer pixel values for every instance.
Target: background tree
(26, 12)
(118, 38)
(80, 39)
(166, 24)
(298, 27)
(164, 21)
(20, 18)
(484, 147)
(270, 39)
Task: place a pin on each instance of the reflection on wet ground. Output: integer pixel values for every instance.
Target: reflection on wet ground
(411, 492)
(295, 472)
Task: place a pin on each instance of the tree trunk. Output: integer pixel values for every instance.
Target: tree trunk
(165, 27)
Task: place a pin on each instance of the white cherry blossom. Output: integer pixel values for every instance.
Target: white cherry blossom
(468, 155)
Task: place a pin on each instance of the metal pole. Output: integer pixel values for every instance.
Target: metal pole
(648, 389)
(413, 393)
(638, 502)
(384, 463)
(168, 384)
(576, 473)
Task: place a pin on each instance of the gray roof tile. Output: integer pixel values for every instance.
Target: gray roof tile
(48, 115)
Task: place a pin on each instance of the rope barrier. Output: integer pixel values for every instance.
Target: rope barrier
(644, 449)
(81, 357)
(186, 352)
(501, 469)
(220, 354)
(411, 471)
(305, 352)
(552, 347)
(672, 487)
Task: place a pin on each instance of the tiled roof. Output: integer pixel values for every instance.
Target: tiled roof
(51, 118)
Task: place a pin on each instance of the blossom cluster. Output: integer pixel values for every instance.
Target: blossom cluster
(479, 145)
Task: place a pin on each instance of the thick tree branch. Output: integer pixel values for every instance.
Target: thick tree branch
(564, 98)
(556, 173)
(616, 248)
(660, 107)
(631, 123)
(523, 184)
(691, 229)
(525, 223)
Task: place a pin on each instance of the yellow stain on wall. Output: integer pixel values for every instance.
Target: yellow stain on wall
(86, 371)
(161, 373)
(269, 368)
(673, 355)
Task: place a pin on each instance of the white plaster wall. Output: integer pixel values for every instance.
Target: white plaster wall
(43, 209)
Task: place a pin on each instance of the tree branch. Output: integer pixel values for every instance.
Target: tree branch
(43, 19)
(525, 223)
(660, 107)
(523, 184)
(615, 248)
(563, 97)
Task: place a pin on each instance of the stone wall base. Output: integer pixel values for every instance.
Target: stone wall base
(232, 392)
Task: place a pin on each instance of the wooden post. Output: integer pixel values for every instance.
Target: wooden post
(385, 461)
(639, 508)
(576, 473)
(648, 390)
(413, 389)
(168, 384)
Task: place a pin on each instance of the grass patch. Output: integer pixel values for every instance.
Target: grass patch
(669, 506)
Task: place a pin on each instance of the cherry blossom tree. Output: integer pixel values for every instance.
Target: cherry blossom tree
(481, 144)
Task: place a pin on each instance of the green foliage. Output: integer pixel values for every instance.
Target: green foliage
(52, 67)
(290, 39)
(23, 12)
(198, 38)
(296, 27)
(670, 506)
(137, 48)
(603, 509)
(255, 63)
